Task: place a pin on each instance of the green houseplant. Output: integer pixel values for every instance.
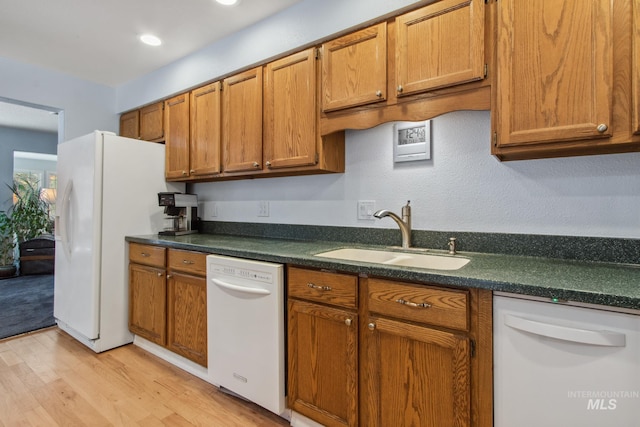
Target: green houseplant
(7, 246)
(30, 212)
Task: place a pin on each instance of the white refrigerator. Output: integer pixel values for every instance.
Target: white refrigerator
(107, 188)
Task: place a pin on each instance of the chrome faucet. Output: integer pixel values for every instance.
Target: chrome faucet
(404, 223)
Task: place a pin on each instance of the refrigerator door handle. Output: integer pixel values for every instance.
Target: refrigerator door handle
(63, 220)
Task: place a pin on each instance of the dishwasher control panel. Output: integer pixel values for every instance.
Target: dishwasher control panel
(240, 273)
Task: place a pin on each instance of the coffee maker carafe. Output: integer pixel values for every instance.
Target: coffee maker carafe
(182, 212)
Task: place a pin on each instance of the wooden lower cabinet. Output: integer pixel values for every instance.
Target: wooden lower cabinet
(323, 364)
(168, 299)
(187, 316)
(147, 302)
(323, 346)
(416, 376)
(421, 354)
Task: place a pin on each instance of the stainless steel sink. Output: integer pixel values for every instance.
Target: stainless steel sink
(407, 259)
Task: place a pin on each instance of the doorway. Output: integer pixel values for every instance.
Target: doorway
(28, 152)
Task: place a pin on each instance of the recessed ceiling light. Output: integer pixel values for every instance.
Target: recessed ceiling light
(227, 2)
(151, 40)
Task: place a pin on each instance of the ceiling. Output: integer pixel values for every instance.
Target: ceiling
(97, 40)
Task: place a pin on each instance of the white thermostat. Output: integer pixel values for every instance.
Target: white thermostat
(411, 141)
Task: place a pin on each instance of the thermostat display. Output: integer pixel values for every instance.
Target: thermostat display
(411, 141)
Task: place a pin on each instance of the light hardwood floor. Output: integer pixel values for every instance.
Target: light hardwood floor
(49, 379)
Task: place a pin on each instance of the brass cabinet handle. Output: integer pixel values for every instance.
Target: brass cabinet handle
(144, 254)
(400, 88)
(379, 93)
(256, 165)
(413, 304)
(347, 322)
(321, 288)
(188, 261)
(192, 171)
(184, 173)
(371, 326)
(159, 274)
(602, 128)
(268, 164)
(169, 276)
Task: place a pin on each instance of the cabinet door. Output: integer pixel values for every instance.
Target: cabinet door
(354, 69)
(290, 132)
(416, 376)
(130, 124)
(242, 122)
(555, 71)
(322, 381)
(426, 39)
(147, 302)
(152, 122)
(187, 316)
(176, 111)
(205, 130)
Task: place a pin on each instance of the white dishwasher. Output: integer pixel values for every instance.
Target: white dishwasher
(245, 327)
(558, 365)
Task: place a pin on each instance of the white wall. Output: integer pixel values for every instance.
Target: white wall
(86, 106)
(462, 188)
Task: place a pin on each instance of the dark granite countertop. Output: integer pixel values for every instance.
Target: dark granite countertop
(609, 284)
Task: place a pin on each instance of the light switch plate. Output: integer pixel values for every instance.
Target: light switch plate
(366, 209)
(207, 210)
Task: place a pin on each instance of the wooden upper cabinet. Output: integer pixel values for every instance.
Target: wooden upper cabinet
(177, 137)
(205, 144)
(290, 131)
(555, 72)
(152, 122)
(354, 69)
(242, 122)
(440, 45)
(130, 124)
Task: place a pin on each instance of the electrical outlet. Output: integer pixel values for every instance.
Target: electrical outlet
(263, 208)
(213, 210)
(366, 209)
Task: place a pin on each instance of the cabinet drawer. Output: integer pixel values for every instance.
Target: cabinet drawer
(331, 288)
(147, 254)
(442, 307)
(188, 262)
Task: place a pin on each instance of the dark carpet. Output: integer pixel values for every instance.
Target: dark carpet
(26, 304)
